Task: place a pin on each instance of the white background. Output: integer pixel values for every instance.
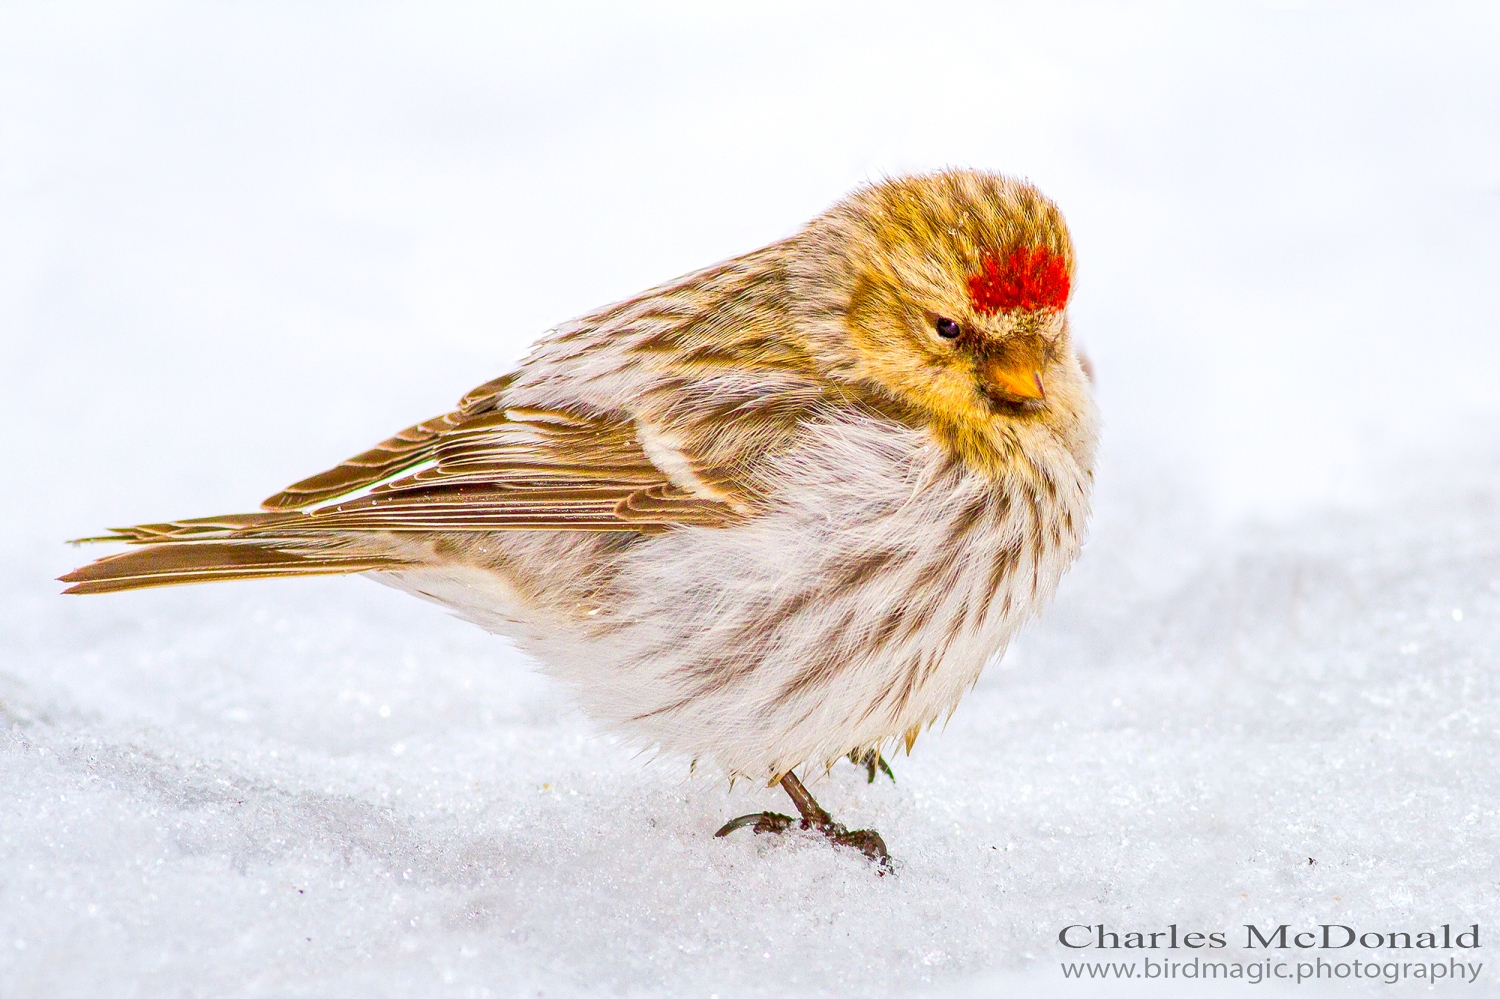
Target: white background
(240, 242)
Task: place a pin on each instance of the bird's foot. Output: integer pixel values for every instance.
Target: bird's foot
(871, 760)
(866, 841)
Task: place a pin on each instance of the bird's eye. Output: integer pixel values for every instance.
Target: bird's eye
(946, 328)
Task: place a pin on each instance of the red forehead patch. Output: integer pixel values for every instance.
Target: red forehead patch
(1027, 278)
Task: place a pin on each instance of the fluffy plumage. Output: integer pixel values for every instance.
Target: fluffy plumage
(773, 512)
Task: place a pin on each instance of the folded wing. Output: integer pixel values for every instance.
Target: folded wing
(481, 468)
(652, 414)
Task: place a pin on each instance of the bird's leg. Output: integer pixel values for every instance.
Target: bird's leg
(866, 841)
(871, 760)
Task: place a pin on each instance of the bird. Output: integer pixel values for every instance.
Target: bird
(775, 513)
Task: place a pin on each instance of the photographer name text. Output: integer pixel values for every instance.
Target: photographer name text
(1323, 936)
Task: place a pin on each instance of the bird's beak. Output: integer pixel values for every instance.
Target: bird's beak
(1014, 379)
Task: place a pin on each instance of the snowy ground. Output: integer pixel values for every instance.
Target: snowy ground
(241, 243)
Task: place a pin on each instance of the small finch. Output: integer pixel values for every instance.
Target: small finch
(775, 513)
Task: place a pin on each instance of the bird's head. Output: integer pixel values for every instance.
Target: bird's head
(949, 293)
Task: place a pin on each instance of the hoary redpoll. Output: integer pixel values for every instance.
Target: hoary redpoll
(774, 513)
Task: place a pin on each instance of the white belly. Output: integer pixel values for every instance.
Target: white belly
(862, 605)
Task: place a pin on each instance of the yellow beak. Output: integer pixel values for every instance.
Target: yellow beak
(1020, 382)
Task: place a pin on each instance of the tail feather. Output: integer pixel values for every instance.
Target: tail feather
(237, 546)
(169, 565)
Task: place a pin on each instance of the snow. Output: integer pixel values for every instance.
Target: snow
(242, 243)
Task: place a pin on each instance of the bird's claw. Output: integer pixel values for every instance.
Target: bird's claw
(867, 842)
(764, 822)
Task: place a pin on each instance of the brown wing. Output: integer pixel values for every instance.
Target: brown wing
(482, 468)
(551, 447)
(501, 469)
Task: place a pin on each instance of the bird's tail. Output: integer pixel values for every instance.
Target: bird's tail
(239, 546)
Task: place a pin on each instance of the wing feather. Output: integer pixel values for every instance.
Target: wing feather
(706, 369)
(498, 470)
